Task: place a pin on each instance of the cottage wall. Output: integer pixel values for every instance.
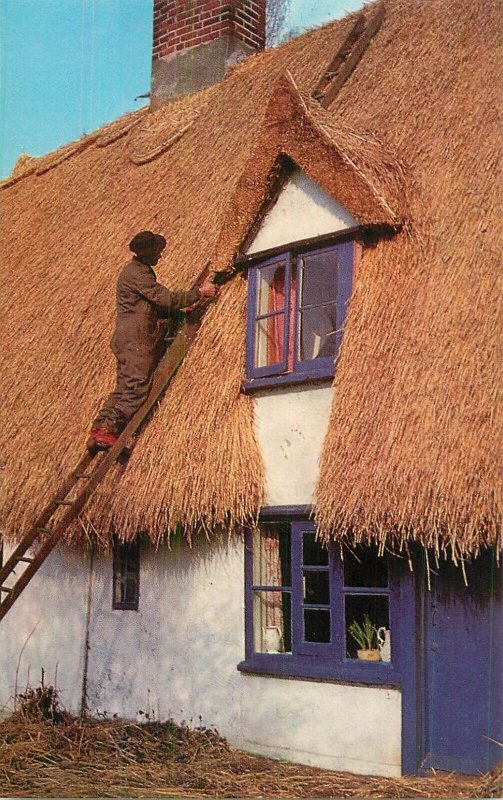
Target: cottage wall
(291, 424)
(302, 210)
(45, 629)
(177, 656)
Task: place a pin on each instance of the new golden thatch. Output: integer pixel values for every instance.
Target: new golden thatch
(412, 137)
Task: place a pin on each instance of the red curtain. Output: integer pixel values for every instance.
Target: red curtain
(276, 324)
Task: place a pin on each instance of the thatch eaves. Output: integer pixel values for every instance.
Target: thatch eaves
(410, 452)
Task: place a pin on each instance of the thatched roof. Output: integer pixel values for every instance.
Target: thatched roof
(412, 138)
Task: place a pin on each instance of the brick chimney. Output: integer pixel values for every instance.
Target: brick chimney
(195, 41)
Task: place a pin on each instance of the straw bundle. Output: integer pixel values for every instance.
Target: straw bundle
(410, 447)
(113, 758)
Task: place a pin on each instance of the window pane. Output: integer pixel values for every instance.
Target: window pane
(319, 278)
(316, 625)
(373, 610)
(125, 574)
(272, 622)
(316, 588)
(130, 590)
(271, 555)
(363, 567)
(318, 327)
(271, 289)
(269, 334)
(119, 590)
(314, 554)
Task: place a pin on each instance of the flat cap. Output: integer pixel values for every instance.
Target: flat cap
(146, 241)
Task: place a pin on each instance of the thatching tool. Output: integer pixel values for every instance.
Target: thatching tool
(62, 510)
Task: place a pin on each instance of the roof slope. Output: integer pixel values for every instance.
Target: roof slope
(415, 437)
(410, 447)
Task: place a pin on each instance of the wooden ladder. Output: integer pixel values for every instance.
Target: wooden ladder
(84, 478)
(347, 57)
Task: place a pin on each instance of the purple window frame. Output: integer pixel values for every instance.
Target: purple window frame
(305, 369)
(129, 551)
(328, 660)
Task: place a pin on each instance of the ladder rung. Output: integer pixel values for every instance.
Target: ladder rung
(25, 558)
(5, 589)
(44, 530)
(64, 502)
(86, 475)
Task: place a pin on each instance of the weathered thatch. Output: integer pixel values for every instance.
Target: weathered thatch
(410, 448)
(414, 437)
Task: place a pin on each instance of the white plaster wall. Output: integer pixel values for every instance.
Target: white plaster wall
(302, 210)
(177, 657)
(177, 654)
(291, 424)
(334, 726)
(46, 628)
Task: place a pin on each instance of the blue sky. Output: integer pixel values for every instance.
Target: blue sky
(69, 66)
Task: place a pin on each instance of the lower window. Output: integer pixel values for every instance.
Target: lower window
(310, 611)
(126, 576)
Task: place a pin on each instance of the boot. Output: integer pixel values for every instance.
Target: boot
(100, 439)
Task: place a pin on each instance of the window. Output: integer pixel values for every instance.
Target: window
(126, 576)
(305, 605)
(297, 305)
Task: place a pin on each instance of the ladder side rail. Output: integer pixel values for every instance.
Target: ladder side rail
(32, 568)
(339, 57)
(349, 66)
(27, 540)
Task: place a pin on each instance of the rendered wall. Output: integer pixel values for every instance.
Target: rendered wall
(291, 424)
(301, 211)
(177, 657)
(45, 628)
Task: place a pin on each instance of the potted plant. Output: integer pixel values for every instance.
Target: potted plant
(365, 636)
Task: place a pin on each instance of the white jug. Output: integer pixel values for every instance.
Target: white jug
(384, 643)
(272, 638)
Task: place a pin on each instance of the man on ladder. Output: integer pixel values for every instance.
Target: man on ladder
(141, 302)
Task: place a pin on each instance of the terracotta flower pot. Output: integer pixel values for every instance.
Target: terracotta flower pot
(368, 655)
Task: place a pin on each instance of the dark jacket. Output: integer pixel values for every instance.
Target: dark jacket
(141, 301)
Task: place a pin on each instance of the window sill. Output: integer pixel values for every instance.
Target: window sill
(253, 384)
(288, 666)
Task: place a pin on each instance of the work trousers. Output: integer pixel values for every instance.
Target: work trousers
(136, 362)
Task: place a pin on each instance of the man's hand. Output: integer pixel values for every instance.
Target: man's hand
(208, 289)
